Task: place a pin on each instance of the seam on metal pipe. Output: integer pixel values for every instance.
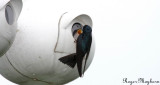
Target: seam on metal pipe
(59, 23)
(34, 79)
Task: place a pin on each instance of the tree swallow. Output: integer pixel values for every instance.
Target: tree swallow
(83, 45)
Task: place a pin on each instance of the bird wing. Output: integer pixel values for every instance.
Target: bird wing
(80, 47)
(88, 51)
(79, 64)
(80, 51)
(83, 48)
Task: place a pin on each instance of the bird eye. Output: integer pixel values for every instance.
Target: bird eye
(9, 14)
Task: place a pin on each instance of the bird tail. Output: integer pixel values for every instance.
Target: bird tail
(70, 60)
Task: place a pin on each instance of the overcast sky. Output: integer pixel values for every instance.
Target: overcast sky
(127, 41)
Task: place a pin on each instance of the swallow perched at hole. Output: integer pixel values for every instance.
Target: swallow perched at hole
(76, 30)
(83, 45)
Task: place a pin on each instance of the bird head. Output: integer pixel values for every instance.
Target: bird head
(87, 29)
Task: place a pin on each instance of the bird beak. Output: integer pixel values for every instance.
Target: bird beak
(79, 31)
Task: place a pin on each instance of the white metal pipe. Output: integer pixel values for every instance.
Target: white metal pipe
(42, 37)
